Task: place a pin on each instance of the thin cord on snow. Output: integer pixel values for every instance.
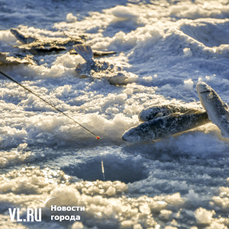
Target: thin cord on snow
(8, 77)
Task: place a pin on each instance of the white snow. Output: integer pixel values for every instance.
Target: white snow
(188, 84)
(203, 216)
(164, 48)
(70, 18)
(187, 52)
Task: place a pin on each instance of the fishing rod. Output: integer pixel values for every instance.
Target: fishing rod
(27, 89)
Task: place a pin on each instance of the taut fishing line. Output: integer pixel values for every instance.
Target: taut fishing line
(27, 89)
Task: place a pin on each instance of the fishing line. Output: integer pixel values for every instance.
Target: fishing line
(8, 77)
(102, 167)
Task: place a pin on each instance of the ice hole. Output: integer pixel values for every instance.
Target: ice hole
(125, 171)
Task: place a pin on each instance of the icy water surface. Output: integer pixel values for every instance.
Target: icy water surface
(164, 48)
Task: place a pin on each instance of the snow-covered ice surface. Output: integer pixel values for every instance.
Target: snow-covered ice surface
(165, 47)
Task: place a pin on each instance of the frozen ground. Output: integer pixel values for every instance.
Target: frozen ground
(165, 47)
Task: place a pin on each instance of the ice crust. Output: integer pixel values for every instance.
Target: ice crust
(164, 48)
